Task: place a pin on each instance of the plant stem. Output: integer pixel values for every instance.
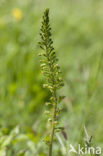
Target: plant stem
(53, 125)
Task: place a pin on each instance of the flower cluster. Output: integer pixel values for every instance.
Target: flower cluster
(51, 70)
(49, 65)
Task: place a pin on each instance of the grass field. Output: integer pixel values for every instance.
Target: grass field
(77, 28)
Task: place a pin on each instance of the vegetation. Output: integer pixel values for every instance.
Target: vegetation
(77, 35)
(51, 70)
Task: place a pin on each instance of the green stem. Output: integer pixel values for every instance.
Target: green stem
(53, 125)
(54, 108)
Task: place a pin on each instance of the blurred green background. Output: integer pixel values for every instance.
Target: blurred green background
(77, 28)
